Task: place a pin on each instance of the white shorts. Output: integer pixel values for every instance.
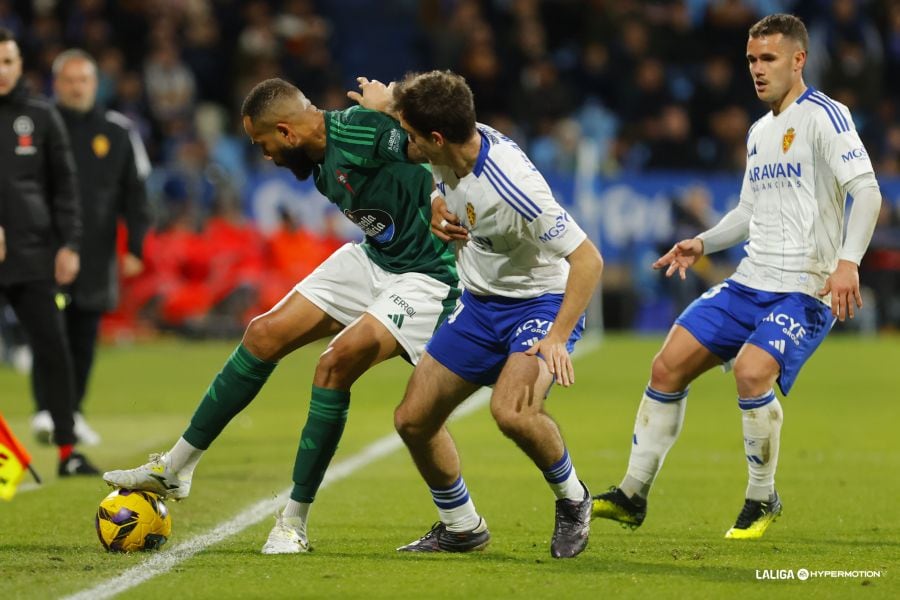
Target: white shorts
(410, 305)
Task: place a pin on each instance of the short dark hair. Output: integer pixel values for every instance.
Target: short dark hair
(6, 35)
(787, 25)
(437, 101)
(264, 95)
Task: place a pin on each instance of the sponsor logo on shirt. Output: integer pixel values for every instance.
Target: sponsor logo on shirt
(855, 154)
(775, 170)
(557, 229)
(376, 224)
(404, 306)
(787, 140)
(395, 139)
(23, 127)
(790, 327)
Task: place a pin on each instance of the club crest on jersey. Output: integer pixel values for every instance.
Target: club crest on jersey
(787, 140)
(100, 145)
(23, 126)
(470, 214)
(344, 180)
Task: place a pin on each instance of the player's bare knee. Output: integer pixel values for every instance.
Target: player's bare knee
(337, 367)
(510, 421)
(408, 427)
(260, 339)
(664, 376)
(752, 379)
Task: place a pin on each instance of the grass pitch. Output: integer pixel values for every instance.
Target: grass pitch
(838, 478)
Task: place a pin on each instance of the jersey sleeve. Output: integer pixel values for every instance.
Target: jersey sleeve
(548, 225)
(367, 134)
(838, 142)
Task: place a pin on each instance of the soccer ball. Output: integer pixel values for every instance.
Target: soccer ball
(129, 520)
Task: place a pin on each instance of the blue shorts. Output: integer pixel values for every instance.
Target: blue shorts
(483, 331)
(789, 326)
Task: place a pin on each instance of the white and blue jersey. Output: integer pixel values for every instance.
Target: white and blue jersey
(512, 267)
(798, 165)
(519, 235)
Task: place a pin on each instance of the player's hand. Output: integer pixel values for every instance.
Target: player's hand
(67, 265)
(444, 224)
(681, 257)
(557, 358)
(374, 95)
(131, 265)
(2, 245)
(843, 285)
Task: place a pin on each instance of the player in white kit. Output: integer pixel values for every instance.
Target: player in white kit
(803, 158)
(528, 271)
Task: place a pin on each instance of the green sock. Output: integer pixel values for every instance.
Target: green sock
(231, 391)
(319, 440)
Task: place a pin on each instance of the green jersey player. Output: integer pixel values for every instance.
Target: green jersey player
(385, 296)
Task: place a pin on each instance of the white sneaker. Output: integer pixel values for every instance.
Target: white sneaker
(287, 537)
(156, 476)
(84, 432)
(42, 426)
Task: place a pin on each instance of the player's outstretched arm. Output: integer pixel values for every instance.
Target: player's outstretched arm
(374, 95)
(681, 257)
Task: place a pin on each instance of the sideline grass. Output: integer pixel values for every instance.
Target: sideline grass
(837, 476)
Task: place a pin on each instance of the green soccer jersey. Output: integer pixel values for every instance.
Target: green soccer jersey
(389, 200)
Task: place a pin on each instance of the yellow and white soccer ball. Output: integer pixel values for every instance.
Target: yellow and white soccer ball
(130, 520)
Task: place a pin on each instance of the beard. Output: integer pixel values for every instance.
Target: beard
(296, 160)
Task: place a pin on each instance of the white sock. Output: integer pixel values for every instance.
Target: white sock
(656, 427)
(294, 509)
(183, 458)
(455, 508)
(563, 479)
(761, 418)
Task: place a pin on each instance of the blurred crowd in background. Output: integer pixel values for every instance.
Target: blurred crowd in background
(652, 85)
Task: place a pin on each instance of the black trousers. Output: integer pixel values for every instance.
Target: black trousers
(52, 374)
(82, 326)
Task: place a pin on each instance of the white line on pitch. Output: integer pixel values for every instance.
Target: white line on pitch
(165, 561)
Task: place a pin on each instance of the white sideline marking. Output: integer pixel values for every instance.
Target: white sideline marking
(166, 560)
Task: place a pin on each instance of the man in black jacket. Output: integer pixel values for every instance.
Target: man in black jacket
(112, 168)
(41, 222)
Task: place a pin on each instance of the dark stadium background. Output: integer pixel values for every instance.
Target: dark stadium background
(636, 112)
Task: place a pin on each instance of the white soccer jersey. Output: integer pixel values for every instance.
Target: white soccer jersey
(519, 235)
(798, 165)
